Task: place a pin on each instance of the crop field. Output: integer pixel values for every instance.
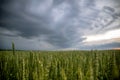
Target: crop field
(60, 65)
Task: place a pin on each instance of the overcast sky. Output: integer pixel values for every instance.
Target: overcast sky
(60, 24)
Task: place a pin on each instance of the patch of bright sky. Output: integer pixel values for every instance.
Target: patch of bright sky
(105, 36)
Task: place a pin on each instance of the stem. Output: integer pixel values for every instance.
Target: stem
(13, 48)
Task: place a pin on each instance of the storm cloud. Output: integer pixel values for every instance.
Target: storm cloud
(56, 24)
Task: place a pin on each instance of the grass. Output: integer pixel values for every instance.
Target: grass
(60, 65)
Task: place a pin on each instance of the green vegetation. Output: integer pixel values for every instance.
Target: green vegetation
(60, 65)
(13, 48)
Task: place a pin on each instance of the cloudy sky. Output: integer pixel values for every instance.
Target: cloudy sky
(60, 24)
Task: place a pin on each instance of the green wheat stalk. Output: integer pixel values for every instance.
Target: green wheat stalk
(13, 48)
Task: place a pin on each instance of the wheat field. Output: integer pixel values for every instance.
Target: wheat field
(60, 65)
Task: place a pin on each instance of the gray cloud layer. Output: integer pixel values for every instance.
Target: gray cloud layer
(58, 23)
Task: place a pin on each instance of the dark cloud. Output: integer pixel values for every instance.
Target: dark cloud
(62, 23)
(27, 29)
(109, 9)
(57, 2)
